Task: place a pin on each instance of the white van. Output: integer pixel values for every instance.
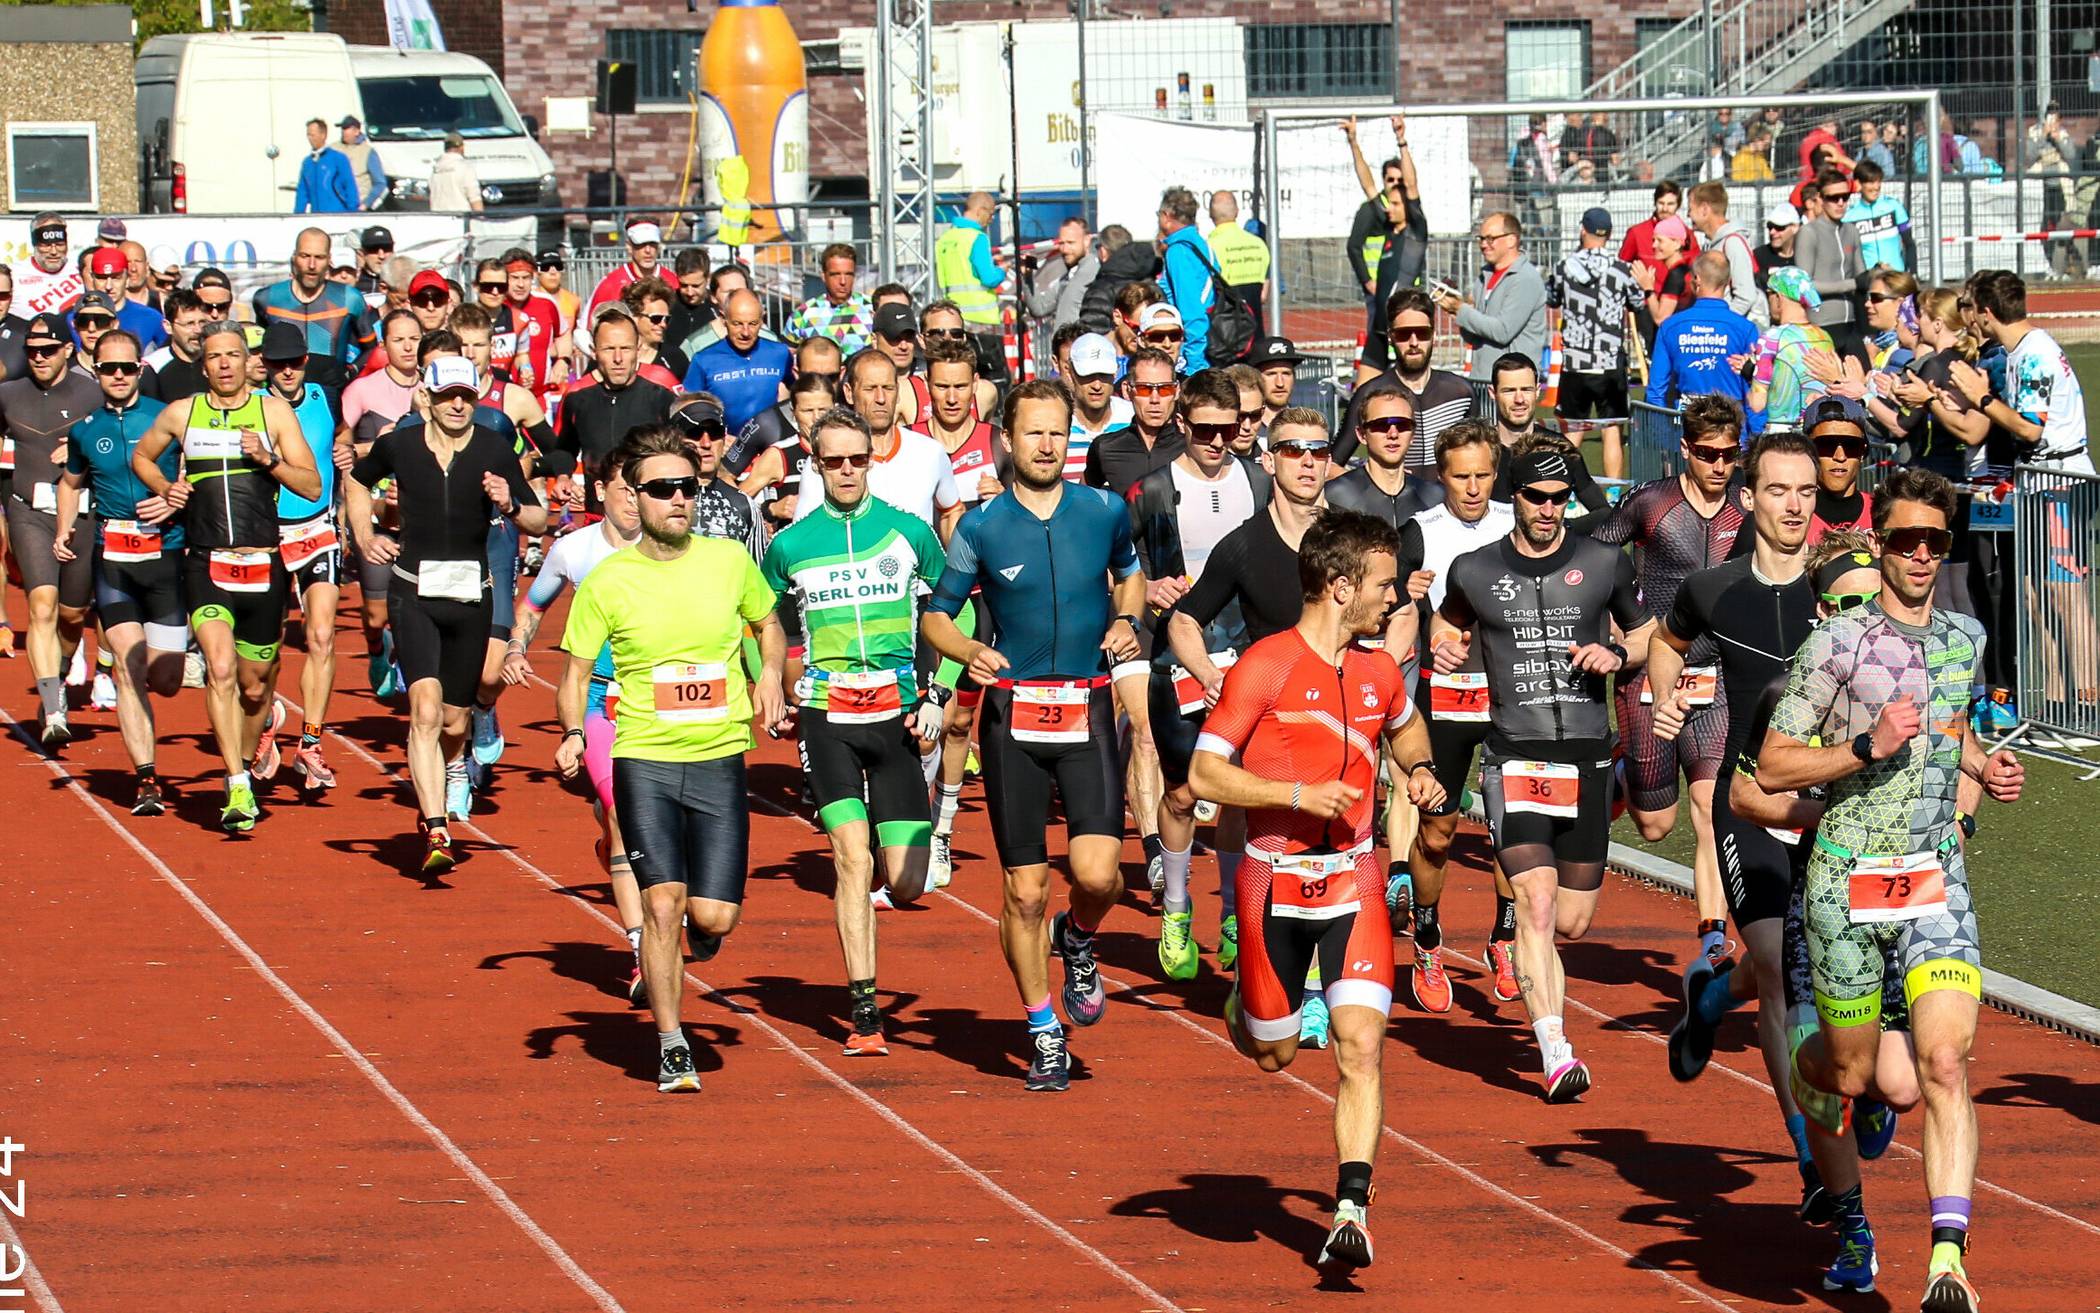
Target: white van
(222, 120)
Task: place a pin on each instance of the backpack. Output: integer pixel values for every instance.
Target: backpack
(1232, 326)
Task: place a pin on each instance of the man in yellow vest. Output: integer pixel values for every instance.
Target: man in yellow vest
(1241, 257)
(970, 277)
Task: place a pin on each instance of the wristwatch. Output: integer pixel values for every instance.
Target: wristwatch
(1863, 748)
(1132, 621)
(1967, 821)
(1616, 650)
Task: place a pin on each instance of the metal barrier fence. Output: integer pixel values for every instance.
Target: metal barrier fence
(1654, 443)
(2056, 545)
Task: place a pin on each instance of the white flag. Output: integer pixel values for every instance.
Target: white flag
(410, 25)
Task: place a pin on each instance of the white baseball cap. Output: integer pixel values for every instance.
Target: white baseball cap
(446, 373)
(641, 232)
(1783, 215)
(1092, 355)
(1158, 315)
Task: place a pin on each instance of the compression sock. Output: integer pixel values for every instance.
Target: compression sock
(1797, 1131)
(1505, 930)
(1716, 1000)
(1228, 883)
(1428, 932)
(1950, 1231)
(1352, 1184)
(1851, 1210)
(948, 798)
(1152, 846)
(860, 995)
(1041, 1017)
(52, 692)
(1175, 898)
(666, 1040)
(310, 735)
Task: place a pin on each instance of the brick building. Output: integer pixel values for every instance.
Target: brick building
(1459, 50)
(66, 105)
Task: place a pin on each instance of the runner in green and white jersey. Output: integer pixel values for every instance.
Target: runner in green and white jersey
(857, 567)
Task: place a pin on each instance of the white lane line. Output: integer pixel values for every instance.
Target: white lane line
(599, 1296)
(1022, 1207)
(32, 1280)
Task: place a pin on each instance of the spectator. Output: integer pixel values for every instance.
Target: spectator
(1241, 258)
(1508, 310)
(1707, 207)
(1752, 161)
(1822, 148)
(1388, 239)
(838, 312)
(2049, 154)
(1672, 240)
(1971, 156)
(1122, 262)
(1724, 126)
(1534, 168)
(1594, 292)
(1828, 252)
(690, 309)
(1639, 245)
(1781, 225)
(1700, 350)
(454, 189)
(1061, 282)
(325, 182)
(2041, 403)
(1184, 273)
(1892, 142)
(1881, 221)
(971, 277)
(1714, 167)
(1871, 149)
(1592, 143)
(367, 170)
(1950, 151)
(1780, 382)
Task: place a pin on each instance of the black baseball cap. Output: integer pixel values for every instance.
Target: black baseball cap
(1273, 351)
(94, 303)
(281, 341)
(350, 121)
(551, 258)
(1831, 408)
(376, 238)
(46, 327)
(895, 323)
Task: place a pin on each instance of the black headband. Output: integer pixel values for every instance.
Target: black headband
(1838, 567)
(46, 233)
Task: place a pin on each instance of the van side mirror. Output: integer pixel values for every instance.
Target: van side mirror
(532, 126)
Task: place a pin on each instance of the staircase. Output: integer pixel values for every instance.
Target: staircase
(1760, 48)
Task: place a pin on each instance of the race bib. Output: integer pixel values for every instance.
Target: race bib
(1459, 696)
(864, 698)
(1787, 837)
(240, 570)
(1696, 682)
(1050, 713)
(1544, 788)
(7, 454)
(300, 543)
(129, 542)
(1313, 886)
(612, 699)
(1905, 888)
(454, 581)
(44, 497)
(690, 692)
(1188, 690)
(211, 444)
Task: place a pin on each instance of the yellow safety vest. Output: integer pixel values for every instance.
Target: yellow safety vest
(1241, 257)
(951, 264)
(733, 177)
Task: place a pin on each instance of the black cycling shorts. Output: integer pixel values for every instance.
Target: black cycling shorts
(1592, 396)
(1173, 734)
(685, 823)
(1525, 839)
(1758, 870)
(1452, 744)
(256, 617)
(868, 773)
(145, 593)
(1651, 764)
(1018, 777)
(438, 638)
(32, 534)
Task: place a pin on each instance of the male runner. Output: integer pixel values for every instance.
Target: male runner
(1179, 514)
(910, 471)
(674, 610)
(1096, 407)
(1441, 398)
(333, 318)
(1887, 687)
(1153, 438)
(1455, 709)
(138, 570)
(239, 446)
(1311, 879)
(1043, 557)
(1380, 486)
(601, 409)
(1542, 603)
(372, 401)
(941, 324)
(857, 567)
(1678, 525)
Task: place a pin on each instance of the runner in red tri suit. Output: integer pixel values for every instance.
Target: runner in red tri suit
(1304, 710)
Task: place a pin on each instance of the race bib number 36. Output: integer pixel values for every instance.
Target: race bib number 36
(1545, 788)
(1897, 888)
(1050, 713)
(691, 693)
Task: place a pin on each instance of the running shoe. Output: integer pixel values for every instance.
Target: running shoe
(1206, 811)
(1050, 1070)
(1502, 960)
(1432, 985)
(704, 946)
(866, 1040)
(267, 759)
(240, 813)
(1156, 874)
(1819, 1206)
(535, 557)
(193, 669)
(103, 697)
(57, 733)
(308, 762)
(971, 766)
(1228, 943)
(1400, 899)
(7, 641)
(77, 670)
(375, 670)
(1873, 1127)
(1692, 1038)
(150, 801)
(1177, 947)
(438, 856)
(488, 736)
(1085, 999)
(637, 988)
(459, 790)
(1949, 1291)
(1349, 1242)
(879, 898)
(940, 863)
(1312, 1023)
(1856, 1264)
(391, 684)
(1567, 1079)
(675, 1074)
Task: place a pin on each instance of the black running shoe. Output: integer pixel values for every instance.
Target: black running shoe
(1692, 1038)
(1085, 999)
(703, 944)
(1051, 1068)
(150, 801)
(675, 1074)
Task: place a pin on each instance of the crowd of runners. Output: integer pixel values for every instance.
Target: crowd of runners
(1138, 598)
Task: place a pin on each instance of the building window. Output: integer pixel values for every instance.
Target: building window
(52, 166)
(665, 59)
(1293, 61)
(1546, 60)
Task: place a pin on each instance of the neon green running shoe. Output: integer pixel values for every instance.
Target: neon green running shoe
(241, 813)
(1228, 943)
(1177, 948)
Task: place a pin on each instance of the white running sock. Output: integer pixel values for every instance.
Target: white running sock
(1175, 897)
(948, 797)
(930, 761)
(1551, 1037)
(634, 940)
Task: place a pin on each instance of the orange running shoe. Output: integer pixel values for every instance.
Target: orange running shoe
(1502, 961)
(868, 1044)
(1432, 985)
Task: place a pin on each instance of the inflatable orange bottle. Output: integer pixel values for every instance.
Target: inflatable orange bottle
(754, 103)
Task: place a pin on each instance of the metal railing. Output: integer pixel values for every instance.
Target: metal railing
(2056, 546)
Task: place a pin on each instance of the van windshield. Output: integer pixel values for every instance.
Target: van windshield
(413, 108)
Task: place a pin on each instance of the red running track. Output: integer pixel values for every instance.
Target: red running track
(276, 1072)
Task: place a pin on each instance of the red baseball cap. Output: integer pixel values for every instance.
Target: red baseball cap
(107, 260)
(428, 280)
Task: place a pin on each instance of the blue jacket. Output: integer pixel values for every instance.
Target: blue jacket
(1692, 348)
(326, 184)
(1184, 274)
